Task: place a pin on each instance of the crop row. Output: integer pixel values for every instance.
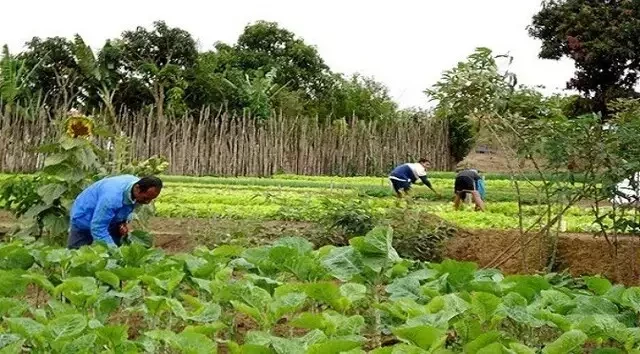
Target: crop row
(289, 298)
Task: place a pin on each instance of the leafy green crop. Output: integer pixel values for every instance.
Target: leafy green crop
(297, 299)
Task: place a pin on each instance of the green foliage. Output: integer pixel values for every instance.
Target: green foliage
(191, 302)
(73, 161)
(269, 70)
(470, 92)
(353, 217)
(601, 38)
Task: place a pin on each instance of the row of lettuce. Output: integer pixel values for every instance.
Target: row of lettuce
(290, 298)
(313, 204)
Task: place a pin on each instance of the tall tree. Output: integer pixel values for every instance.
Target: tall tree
(359, 96)
(601, 37)
(56, 73)
(265, 46)
(468, 94)
(160, 57)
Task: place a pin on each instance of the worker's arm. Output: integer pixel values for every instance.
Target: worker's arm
(102, 217)
(427, 183)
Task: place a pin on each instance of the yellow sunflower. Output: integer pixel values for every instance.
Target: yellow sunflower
(79, 126)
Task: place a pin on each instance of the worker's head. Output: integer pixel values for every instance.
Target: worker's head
(147, 189)
(424, 162)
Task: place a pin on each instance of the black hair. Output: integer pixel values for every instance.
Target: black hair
(149, 182)
(423, 160)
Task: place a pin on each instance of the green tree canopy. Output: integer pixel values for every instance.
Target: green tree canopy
(601, 37)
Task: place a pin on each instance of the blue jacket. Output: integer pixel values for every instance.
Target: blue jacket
(406, 173)
(102, 203)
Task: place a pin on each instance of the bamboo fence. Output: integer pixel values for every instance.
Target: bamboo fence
(221, 145)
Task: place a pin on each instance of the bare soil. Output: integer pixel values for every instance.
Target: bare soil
(578, 253)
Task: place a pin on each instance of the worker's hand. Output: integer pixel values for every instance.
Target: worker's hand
(124, 229)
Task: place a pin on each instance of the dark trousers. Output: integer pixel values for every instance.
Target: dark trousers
(79, 238)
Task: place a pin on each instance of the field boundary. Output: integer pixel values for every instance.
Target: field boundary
(224, 145)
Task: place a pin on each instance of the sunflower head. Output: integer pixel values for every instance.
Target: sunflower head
(79, 126)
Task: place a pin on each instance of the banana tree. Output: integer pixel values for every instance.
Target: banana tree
(259, 92)
(14, 78)
(97, 75)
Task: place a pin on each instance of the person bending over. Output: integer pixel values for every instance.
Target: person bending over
(102, 211)
(469, 182)
(406, 174)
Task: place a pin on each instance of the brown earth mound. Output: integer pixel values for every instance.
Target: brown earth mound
(580, 254)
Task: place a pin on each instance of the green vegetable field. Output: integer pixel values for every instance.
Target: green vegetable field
(289, 298)
(303, 198)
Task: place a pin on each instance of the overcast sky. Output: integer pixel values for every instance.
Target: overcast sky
(405, 44)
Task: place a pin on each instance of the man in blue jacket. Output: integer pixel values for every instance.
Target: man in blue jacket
(404, 175)
(102, 211)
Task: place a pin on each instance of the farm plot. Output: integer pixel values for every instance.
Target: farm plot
(302, 198)
(289, 298)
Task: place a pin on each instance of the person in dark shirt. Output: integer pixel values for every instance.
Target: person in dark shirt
(467, 182)
(404, 175)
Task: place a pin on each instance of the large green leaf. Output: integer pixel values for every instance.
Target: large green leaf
(12, 283)
(553, 319)
(81, 345)
(67, 326)
(77, 289)
(343, 263)
(25, 327)
(309, 321)
(11, 307)
(86, 157)
(598, 285)
(108, 277)
(50, 192)
(128, 273)
(458, 273)
(526, 285)
(519, 348)
(115, 335)
(425, 337)
(328, 293)
(376, 248)
(15, 347)
(556, 301)
(333, 346)
(631, 298)
(404, 288)
(193, 343)
(299, 244)
(569, 342)
(589, 305)
(482, 341)
(400, 349)
(353, 291)
(492, 348)
(6, 339)
(15, 256)
(208, 313)
(598, 325)
(55, 159)
(286, 304)
(305, 266)
(515, 307)
(71, 143)
(484, 305)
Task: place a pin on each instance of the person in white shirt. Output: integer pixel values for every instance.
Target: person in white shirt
(406, 174)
